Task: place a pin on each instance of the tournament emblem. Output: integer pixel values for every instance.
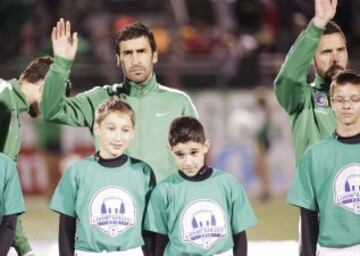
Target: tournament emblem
(347, 188)
(321, 100)
(203, 223)
(112, 210)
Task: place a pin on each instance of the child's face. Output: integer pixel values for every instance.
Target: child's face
(114, 133)
(190, 156)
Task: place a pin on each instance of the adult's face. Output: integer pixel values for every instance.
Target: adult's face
(137, 59)
(331, 57)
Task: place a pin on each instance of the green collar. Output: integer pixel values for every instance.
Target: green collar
(321, 83)
(141, 89)
(20, 99)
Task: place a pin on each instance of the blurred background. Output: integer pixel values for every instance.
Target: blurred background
(224, 53)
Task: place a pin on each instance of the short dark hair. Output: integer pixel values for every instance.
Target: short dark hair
(133, 31)
(113, 104)
(37, 69)
(332, 27)
(186, 129)
(343, 78)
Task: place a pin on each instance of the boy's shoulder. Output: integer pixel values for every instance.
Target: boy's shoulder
(83, 163)
(169, 181)
(6, 165)
(137, 162)
(4, 159)
(321, 148)
(220, 174)
(139, 165)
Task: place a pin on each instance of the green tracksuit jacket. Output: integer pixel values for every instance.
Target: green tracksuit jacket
(12, 103)
(155, 106)
(306, 104)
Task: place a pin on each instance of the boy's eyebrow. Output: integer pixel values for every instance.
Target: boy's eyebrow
(178, 152)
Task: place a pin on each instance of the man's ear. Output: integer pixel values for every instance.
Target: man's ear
(155, 57)
(117, 60)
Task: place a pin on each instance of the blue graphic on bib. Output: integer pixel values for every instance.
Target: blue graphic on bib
(203, 223)
(347, 188)
(321, 100)
(112, 211)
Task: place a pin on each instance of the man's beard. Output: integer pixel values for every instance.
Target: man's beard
(34, 109)
(333, 71)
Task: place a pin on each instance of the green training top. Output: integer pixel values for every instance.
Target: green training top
(199, 217)
(328, 181)
(155, 106)
(11, 197)
(12, 103)
(108, 203)
(306, 104)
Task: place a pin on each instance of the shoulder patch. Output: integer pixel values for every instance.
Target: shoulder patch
(321, 100)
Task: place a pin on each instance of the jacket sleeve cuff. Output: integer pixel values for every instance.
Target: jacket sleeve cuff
(62, 64)
(314, 31)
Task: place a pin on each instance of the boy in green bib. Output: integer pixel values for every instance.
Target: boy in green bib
(101, 199)
(199, 210)
(327, 182)
(11, 202)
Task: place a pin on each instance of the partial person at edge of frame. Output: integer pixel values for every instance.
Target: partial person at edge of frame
(307, 104)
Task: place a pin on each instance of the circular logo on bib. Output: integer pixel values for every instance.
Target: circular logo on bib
(347, 188)
(112, 210)
(203, 223)
(321, 100)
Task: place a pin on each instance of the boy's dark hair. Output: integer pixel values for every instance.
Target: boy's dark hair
(113, 104)
(343, 78)
(37, 69)
(133, 31)
(332, 28)
(186, 129)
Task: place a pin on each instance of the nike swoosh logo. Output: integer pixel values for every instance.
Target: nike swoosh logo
(161, 114)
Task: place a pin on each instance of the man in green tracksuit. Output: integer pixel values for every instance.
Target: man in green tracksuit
(323, 44)
(16, 96)
(155, 105)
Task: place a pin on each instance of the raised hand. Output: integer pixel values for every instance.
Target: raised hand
(324, 11)
(64, 44)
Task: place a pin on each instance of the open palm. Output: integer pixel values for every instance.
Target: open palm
(64, 43)
(324, 11)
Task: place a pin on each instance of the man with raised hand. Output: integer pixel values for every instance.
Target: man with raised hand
(323, 44)
(155, 105)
